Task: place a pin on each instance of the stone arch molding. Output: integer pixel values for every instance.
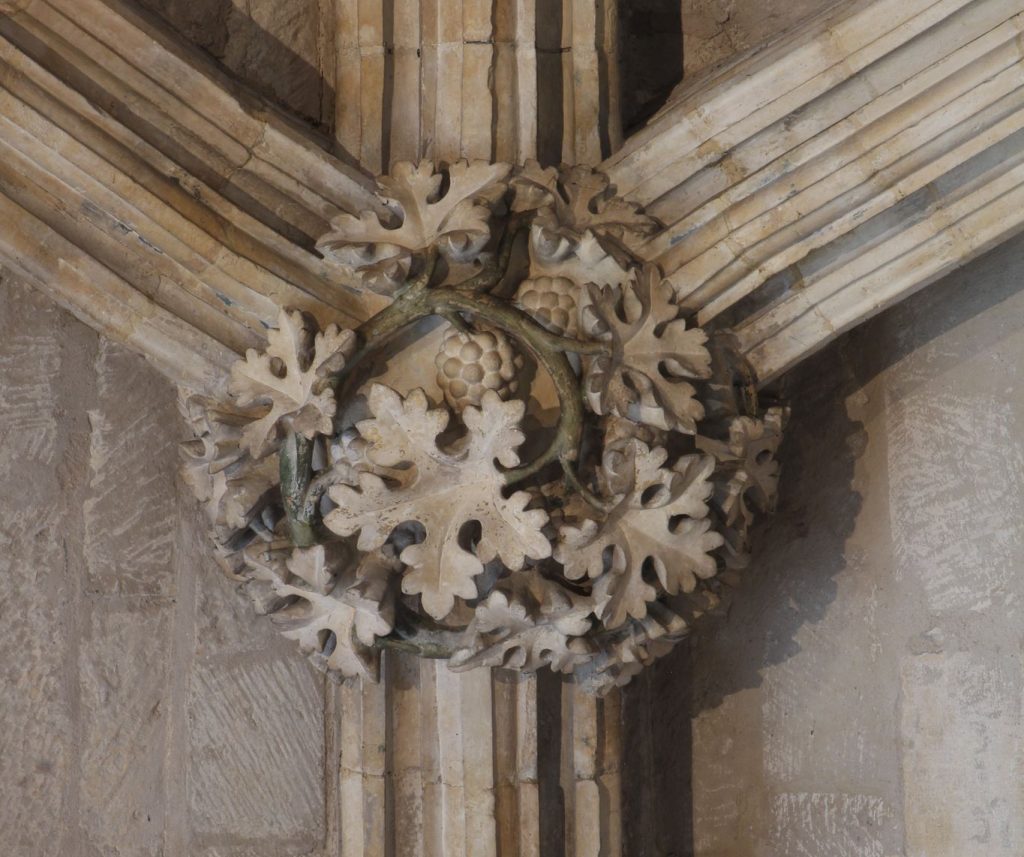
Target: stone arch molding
(572, 492)
(799, 189)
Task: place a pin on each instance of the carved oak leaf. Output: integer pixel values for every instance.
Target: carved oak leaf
(659, 522)
(588, 201)
(643, 642)
(651, 353)
(572, 201)
(292, 377)
(749, 455)
(217, 434)
(537, 623)
(221, 474)
(338, 628)
(584, 262)
(263, 566)
(457, 222)
(240, 492)
(314, 566)
(619, 435)
(533, 186)
(443, 492)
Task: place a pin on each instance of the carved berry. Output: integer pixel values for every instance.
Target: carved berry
(470, 363)
(552, 302)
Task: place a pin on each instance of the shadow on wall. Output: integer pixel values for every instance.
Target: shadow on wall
(798, 554)
(269, 44)
(791, 582)
(651, 57)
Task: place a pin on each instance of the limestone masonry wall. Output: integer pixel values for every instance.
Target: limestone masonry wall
(863, 697)
(144, 710)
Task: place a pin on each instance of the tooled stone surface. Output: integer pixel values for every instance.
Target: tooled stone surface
(567, 495)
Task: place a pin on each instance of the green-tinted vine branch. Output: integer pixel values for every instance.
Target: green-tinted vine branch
(302, 492)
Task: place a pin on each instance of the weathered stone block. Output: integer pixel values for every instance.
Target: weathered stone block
(30, 362)
(961, 744)
(257, 750)
(36, 720)
(274, 47)
(125, 703)
(42, 459)
(957, 470)
(130, 511)
(831, 825)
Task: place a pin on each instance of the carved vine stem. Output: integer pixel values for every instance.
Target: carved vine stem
(680, 456)
(417, 301)
(296, 473)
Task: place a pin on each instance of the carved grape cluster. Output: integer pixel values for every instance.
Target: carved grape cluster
(472, 362)
(552, 302)
(466, 521)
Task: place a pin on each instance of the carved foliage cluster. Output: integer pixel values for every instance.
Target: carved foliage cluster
(452, 216)
(441, 491)
(596, 568)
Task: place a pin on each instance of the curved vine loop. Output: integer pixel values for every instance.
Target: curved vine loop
(578, 521)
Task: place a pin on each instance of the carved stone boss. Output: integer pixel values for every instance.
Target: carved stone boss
(573, 490)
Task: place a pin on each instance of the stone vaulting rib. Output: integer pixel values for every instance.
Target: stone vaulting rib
(808, 186)
(803, 188)
(504, 81)
(793, 211)
(413, 774)
(196, 204)
(413, 757)
(191, 203)
(175, 212)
